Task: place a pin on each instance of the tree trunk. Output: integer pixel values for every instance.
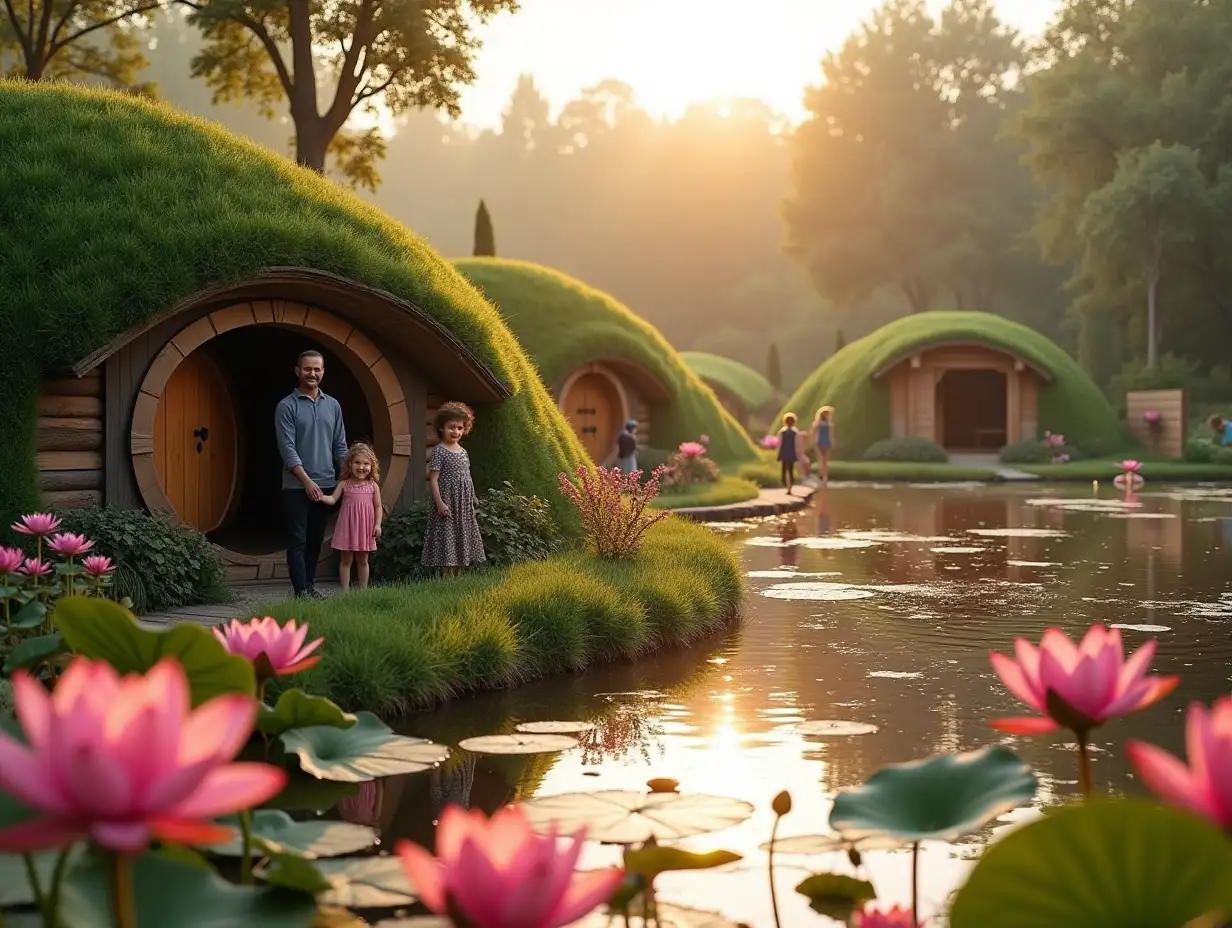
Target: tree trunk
(1152, 326)
(311, 143)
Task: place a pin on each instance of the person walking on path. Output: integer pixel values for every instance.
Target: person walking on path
(312, 442)
(789, 450)
(626, 448)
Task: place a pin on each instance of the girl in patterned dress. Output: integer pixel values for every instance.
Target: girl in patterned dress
(452, 538)
(359, 519)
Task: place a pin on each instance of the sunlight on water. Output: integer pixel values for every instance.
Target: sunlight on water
(827, 680)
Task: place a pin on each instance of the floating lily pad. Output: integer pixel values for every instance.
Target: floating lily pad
(893, 537)
(1013, 563)
(1113, 863)
(518, 744)
(1141, 628)
(1017, 532)
(368, 750)
(791, 574)
(633, 694)
(939, 798)
(835, 728)
(626, 817)
(817, 592)
(957, 549)
(366, 883)
(833, 543)
(297, 709)
(555, 728)
(830, 844)
(314, 838)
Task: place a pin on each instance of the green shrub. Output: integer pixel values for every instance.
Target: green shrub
(157, 566)
(1037, 451)
(1200, 450)
(515, 528)
(1221, 456)
(906, 448)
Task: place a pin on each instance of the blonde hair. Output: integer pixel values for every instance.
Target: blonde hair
(825, 413)
(789, 420)
(358, 450)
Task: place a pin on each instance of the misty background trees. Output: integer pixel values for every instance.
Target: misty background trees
(1075, 184)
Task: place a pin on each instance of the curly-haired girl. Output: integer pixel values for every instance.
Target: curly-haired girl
(452, 538)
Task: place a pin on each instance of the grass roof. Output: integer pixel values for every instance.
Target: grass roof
(115, 208)
(564, 324)
(740, 380)
(1069, 403)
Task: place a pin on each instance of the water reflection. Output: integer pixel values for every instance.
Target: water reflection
(944, 575)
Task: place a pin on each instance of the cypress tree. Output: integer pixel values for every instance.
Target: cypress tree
(774, 369)
(840, 341)
(485, 236)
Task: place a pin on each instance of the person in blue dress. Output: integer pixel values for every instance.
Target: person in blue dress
(1222, 429)
(823, 440)
(789, 450)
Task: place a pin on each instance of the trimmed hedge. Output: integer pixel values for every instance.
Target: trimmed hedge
(115, 208)
(906, 448)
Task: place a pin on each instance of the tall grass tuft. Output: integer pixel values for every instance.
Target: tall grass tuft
(394, 649)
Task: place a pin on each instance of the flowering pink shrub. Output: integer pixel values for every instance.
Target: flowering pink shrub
(689, 465)
(691, 449)
(613, 507)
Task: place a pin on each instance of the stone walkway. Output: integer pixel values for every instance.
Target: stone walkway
(767, 503)
(246, 594)
(993, 463)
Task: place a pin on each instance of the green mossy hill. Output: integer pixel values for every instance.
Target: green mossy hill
(115, 208)
(1070, 403)
(564, 324)
(398, 648)
(741, 381)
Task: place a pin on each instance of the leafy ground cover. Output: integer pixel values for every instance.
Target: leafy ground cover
(722, 493)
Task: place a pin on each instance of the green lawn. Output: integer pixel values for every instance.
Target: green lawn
(398, 648)
(722, 493)
(1151, 470)
(766, 474)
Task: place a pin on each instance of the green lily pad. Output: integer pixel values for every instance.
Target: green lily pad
(103, 630)
(297, 709)
(314, 838)
(290, 871)
(1110, 864)
(823, 728)
(653, 859)
(939, 798)
(518, 744)
(368, 750)
(31, 615)
(33, 651)
(555, 728)
(835, 895)
(366, 883)
(169, 892)
(627, 817)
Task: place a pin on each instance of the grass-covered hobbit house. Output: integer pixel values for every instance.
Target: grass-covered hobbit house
(160, 277)
(742, 391)
(604, 364)
(968, 381)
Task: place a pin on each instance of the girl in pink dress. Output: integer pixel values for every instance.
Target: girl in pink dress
(359, 518)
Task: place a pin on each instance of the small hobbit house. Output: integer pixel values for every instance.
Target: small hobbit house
(742, 391)
(605, 365)
(969, 381)
(193, 269)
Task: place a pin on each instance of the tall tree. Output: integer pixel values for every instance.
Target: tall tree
(63, 39)
(898, 177)
(840, 341)
(774, 368)
(485, 235)
(355, 53)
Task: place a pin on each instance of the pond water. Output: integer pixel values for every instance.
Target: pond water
(876, 605)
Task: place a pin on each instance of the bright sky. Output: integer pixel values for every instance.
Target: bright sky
(673, 52)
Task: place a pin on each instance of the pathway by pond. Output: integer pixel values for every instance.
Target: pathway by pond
(876, 605)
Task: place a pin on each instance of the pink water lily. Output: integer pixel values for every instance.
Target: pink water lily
(1130, 466)
(1205, 785)
(97, 566)
(125, 759)
(36, 523)
(33, 567)
(11, 560)
(1093, 678)
(67, 544)
(497, 873)
(282, 645)
(895, 917)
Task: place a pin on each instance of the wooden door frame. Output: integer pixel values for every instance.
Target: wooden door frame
(622, 395)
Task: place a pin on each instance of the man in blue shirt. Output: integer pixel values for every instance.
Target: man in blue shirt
(312, 442)
(1222, 429)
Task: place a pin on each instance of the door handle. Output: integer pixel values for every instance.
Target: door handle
(202, 435)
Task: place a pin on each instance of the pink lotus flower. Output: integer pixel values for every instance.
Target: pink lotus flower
(896, 917)
(1130, 466)
(1152, 417)
(11, 560)
(283, 646)
(1094, 679)
(97, 566)
(125, 759)
(704, 439)
(1205, 786)
(36, 523)
(499, 874)
(33, 567)
(67, 544)
(692, 449)
(770, 441)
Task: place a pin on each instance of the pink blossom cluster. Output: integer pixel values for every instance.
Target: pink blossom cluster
(45, 525)
(612, 506)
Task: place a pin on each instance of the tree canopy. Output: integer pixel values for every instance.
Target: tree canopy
(64, 39)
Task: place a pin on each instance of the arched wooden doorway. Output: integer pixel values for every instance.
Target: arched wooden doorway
(195, 443)
(593, 405)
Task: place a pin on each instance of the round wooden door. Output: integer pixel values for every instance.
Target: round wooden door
(593, 409)
(196, 454)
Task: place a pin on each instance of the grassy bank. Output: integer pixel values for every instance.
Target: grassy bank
(393, 649)
(1180, 471)
(725, 491)
(766, 474)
